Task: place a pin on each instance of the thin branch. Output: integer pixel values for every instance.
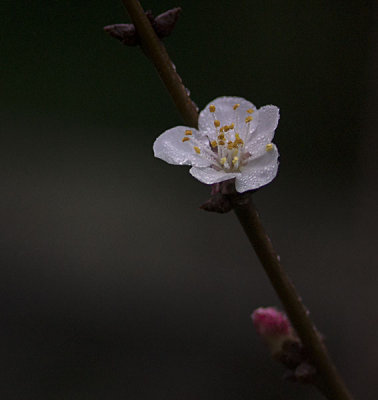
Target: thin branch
(295, 309)
(157, 53)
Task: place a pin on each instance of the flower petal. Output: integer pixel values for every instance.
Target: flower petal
(258, 172)
(268, 118)
(225, 113)
(210, 175)
(267, 122)
(170, 147)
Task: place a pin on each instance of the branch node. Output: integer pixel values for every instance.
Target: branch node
(224, 197)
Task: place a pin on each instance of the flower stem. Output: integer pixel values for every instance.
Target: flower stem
(332, 385)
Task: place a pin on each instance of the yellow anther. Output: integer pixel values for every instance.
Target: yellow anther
(223, 160)
(214, 143)
(238, 140)
(221, 136)
(188, 132)
(250, 110)
(221, 143)
(236, 106)
(226, 128)
(248, 119)
(230, 145)
(235, 145)
(212, 108)
(185, 139)
(231, 126)
(235, 160)
(216, 123)
(269, 147)
(197, 149)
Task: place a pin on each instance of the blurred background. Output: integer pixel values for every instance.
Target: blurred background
(113, 283)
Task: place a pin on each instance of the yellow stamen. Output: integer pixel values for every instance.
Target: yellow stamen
(236, 106)
(223, 160)
(248, 119)
(221, 129)
(269, 147)
(212, 108)
(221, 143)
(238, 140)
(250, 110)
(216, 123)
(235, 145)
(221, 136)
(230, 145)
(231, 126)
(185, 139)
(214, 143)
(226, 128)
(197, 149)
(235, 160)
(188, 132)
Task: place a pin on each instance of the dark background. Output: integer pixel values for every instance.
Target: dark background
(113, 284)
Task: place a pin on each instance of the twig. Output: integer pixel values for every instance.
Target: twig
(298, 314)
(157, 53)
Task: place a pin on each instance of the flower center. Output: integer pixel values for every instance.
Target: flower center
(227, 151)
(229, 145)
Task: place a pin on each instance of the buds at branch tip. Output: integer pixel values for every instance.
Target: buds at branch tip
(163, 26)
(165, 22)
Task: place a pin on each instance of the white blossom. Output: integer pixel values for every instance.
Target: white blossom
(233, 141)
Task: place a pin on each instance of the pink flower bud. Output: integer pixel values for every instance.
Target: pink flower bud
(273, 326)
(271, 322)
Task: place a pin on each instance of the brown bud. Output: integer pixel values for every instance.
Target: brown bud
(163, 25)
(218, 203)
(165, 22)
(305, 373)
(124, 32)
